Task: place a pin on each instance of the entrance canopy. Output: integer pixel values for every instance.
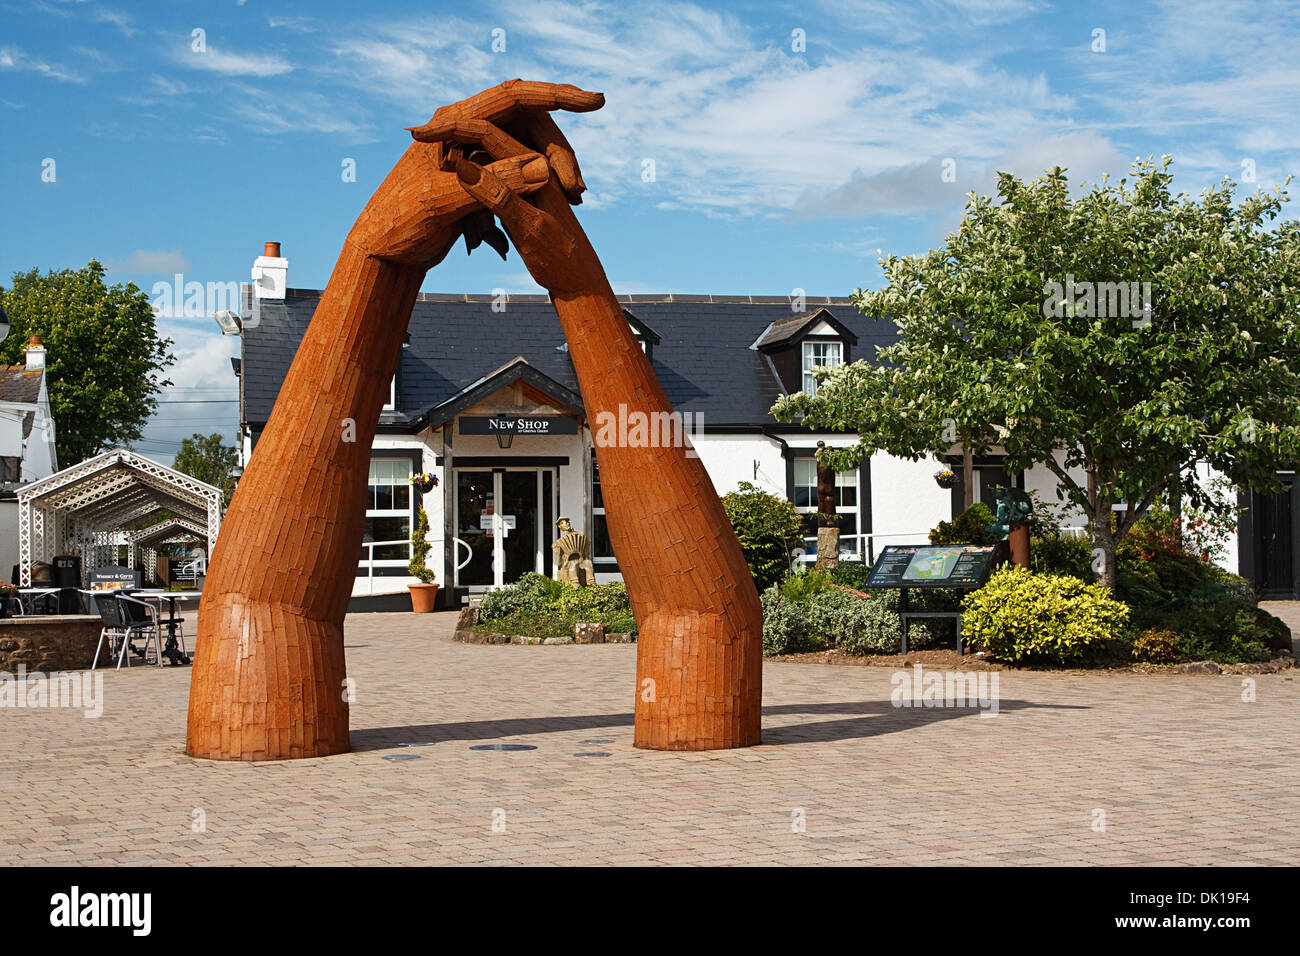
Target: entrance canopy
(86, 508)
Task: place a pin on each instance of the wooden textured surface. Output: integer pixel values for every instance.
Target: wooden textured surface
(269, 672)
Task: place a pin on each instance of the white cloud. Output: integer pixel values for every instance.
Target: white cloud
(233, 64)
(12, 58)
(147, 262)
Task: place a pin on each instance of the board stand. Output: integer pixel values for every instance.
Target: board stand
(905, 618)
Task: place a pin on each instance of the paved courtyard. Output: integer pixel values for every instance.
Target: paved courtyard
(1074, 769)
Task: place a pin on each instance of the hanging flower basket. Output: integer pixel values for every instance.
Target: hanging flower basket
(425, 483)
(944, 478)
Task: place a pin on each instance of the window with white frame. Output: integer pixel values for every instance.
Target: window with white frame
(846, 501)
(601, 550)
(392, 395)
(829, 354)
(389, 511)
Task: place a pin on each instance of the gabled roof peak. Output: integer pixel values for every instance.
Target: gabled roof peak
(789, 331)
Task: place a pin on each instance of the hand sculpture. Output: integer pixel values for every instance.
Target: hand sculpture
(268, 679)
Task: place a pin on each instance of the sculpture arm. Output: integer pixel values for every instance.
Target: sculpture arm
(698, 614)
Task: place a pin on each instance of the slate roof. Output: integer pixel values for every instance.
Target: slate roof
(20, 385)
(703, 357)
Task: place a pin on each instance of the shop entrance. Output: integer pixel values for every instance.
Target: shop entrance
(502, 516)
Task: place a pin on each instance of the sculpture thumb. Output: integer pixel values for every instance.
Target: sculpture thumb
(492, 193)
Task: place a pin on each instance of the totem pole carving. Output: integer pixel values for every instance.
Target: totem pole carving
(269, 677)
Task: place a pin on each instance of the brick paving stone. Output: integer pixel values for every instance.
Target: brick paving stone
(1184, 770)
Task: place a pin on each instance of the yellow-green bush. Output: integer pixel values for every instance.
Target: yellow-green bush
(1157, 647)
(1023, 616)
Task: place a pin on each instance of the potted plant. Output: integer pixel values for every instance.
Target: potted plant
(424, 482)
(8, 593)
(424, 594)
(945, 478)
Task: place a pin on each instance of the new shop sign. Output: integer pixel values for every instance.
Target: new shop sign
(517, 425)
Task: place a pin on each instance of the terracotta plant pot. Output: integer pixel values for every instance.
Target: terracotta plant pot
(423, 597)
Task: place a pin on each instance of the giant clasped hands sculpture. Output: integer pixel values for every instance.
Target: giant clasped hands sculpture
(269, 679)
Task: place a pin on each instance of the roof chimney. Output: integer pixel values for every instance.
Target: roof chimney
(35, 354)
(270, 273)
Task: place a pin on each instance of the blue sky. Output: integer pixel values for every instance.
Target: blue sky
(775, 168)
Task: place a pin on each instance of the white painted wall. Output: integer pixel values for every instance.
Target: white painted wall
(906, 502)
(731, 459)
(8, 537)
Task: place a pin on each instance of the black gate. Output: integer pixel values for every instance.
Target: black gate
(1270, 529)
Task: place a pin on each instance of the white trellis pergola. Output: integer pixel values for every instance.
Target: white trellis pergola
(88, 507)
(169, 531)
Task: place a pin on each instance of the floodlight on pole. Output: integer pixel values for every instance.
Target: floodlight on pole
(228, 322)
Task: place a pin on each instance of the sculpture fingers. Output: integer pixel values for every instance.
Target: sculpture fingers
(505, 99)
(540, 239)
(481, 132)
(547, 138)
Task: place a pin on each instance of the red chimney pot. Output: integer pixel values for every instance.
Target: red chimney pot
(272, 250)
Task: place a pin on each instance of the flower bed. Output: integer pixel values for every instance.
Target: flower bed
(538, 610)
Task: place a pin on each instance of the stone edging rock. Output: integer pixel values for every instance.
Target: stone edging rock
(583, 634)
(466, 636)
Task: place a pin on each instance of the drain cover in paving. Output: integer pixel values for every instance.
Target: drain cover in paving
(401, 756)
(426, 744)
(589, 742)
(503, 747)
(594, 753)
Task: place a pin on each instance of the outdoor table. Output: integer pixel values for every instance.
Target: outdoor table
(173, 620)
(27, 598)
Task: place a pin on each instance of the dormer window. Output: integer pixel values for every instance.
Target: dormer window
(794, 345)
(646, 337)
(829, 354)
(391, 404)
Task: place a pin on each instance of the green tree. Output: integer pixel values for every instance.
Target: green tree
(104, 357)
(208, 458)
(769, 529)
(997, 347)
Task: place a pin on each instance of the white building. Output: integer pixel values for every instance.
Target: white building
(485, 398)
(27, 451)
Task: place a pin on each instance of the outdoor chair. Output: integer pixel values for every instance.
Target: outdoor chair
(125, 619)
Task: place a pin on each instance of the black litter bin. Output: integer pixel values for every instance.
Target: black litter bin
(67, 577)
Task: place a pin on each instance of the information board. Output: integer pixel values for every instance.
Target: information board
(932, 566)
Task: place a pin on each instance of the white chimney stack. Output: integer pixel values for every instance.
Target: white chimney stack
(35, 354)
(270, 273)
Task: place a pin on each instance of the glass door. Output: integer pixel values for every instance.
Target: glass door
(519, 540)
(498, 516)
(475, 499)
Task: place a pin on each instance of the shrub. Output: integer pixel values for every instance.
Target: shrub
(420, 549)
(860, 626)
(804, 583)
(1157, 647)
(1057, 554)
(851, 574)
(593, 603)
(785, 625)
(769, 529)
(1225, 630)
(1020, 615)
(532, 593)
(969, 527)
